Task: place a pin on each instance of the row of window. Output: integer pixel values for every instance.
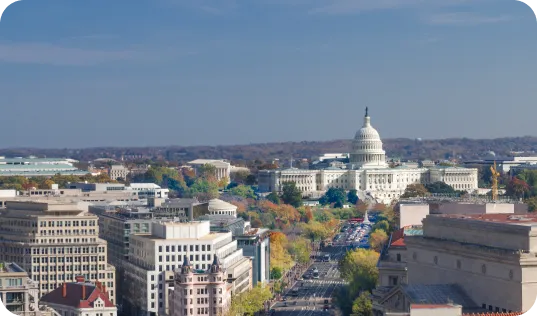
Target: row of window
(184, 248)
(84, 223)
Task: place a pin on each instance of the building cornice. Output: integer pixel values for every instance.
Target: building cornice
(470, 250)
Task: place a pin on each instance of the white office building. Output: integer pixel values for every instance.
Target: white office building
(154, 257)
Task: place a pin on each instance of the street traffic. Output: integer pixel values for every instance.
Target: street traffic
(312, 293)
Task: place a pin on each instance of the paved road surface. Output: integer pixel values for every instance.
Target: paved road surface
(313, 292)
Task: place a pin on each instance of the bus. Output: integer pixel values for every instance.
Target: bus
(315, 273)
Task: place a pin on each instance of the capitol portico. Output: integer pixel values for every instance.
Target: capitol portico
(367, 172)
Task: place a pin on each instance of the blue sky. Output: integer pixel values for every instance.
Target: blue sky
(189, 72)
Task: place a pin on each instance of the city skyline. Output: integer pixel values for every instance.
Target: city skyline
(166, 72)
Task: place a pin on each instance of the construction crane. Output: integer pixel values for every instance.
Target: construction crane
(494, 177)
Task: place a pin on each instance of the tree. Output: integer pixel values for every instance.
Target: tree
(517, 188)
(382, 225)
(362, 305)
(250, 302)
(440, 187)
(204, 190)
(315, 231)
(532, 204)
(300, 249)
(279, 256)
(415, 190)
(334, 196)
(274, 198)
(250, 180)
(291, 194)
(377, 239)
(359, 268)
(276, 273)
(243, 191)
(207, 171)
(240, 176)
(352, 197)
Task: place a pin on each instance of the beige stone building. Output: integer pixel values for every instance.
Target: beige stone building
(492, 257)
(118, 172)
(54, 242)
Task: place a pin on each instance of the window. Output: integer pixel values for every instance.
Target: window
(398, 257)
(393, 280)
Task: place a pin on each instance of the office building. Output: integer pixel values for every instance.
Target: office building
(54, 242)
(154, 257)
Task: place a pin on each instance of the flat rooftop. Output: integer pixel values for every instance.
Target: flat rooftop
(210, 236)
(526, 219)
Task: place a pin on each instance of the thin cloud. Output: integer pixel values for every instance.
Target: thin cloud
(464, 19)
(45, 54)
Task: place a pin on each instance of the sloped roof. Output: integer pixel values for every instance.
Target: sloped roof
(437, 294)
(74, 297)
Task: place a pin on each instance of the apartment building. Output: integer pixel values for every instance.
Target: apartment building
(153, 258)
(18, 292)
(200, 292)
(54, 242)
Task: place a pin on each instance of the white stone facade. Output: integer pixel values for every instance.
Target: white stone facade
(367, 172)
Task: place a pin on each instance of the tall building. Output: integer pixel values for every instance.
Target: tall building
(154, 257)
(54, 242)
(366, 171)
(18, 292)
(200, 292)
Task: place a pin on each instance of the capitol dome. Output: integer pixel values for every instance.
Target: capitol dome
(367, 149)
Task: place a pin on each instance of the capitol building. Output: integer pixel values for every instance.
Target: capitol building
(367, 171)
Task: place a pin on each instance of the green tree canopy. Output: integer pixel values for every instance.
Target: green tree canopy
(300, 249)
(291, 194)
(382, 225)
(274, 198)
(244, 191)
(415, 190)
(352, 197)
(334, 196)
(276, 273)
(440, 187)
(362, 305)
(250, 302)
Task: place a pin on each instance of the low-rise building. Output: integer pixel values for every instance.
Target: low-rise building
(222, 167)
(18, 292)
(118, 172)
(80, 298)
(35, 167)
(199, 292)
